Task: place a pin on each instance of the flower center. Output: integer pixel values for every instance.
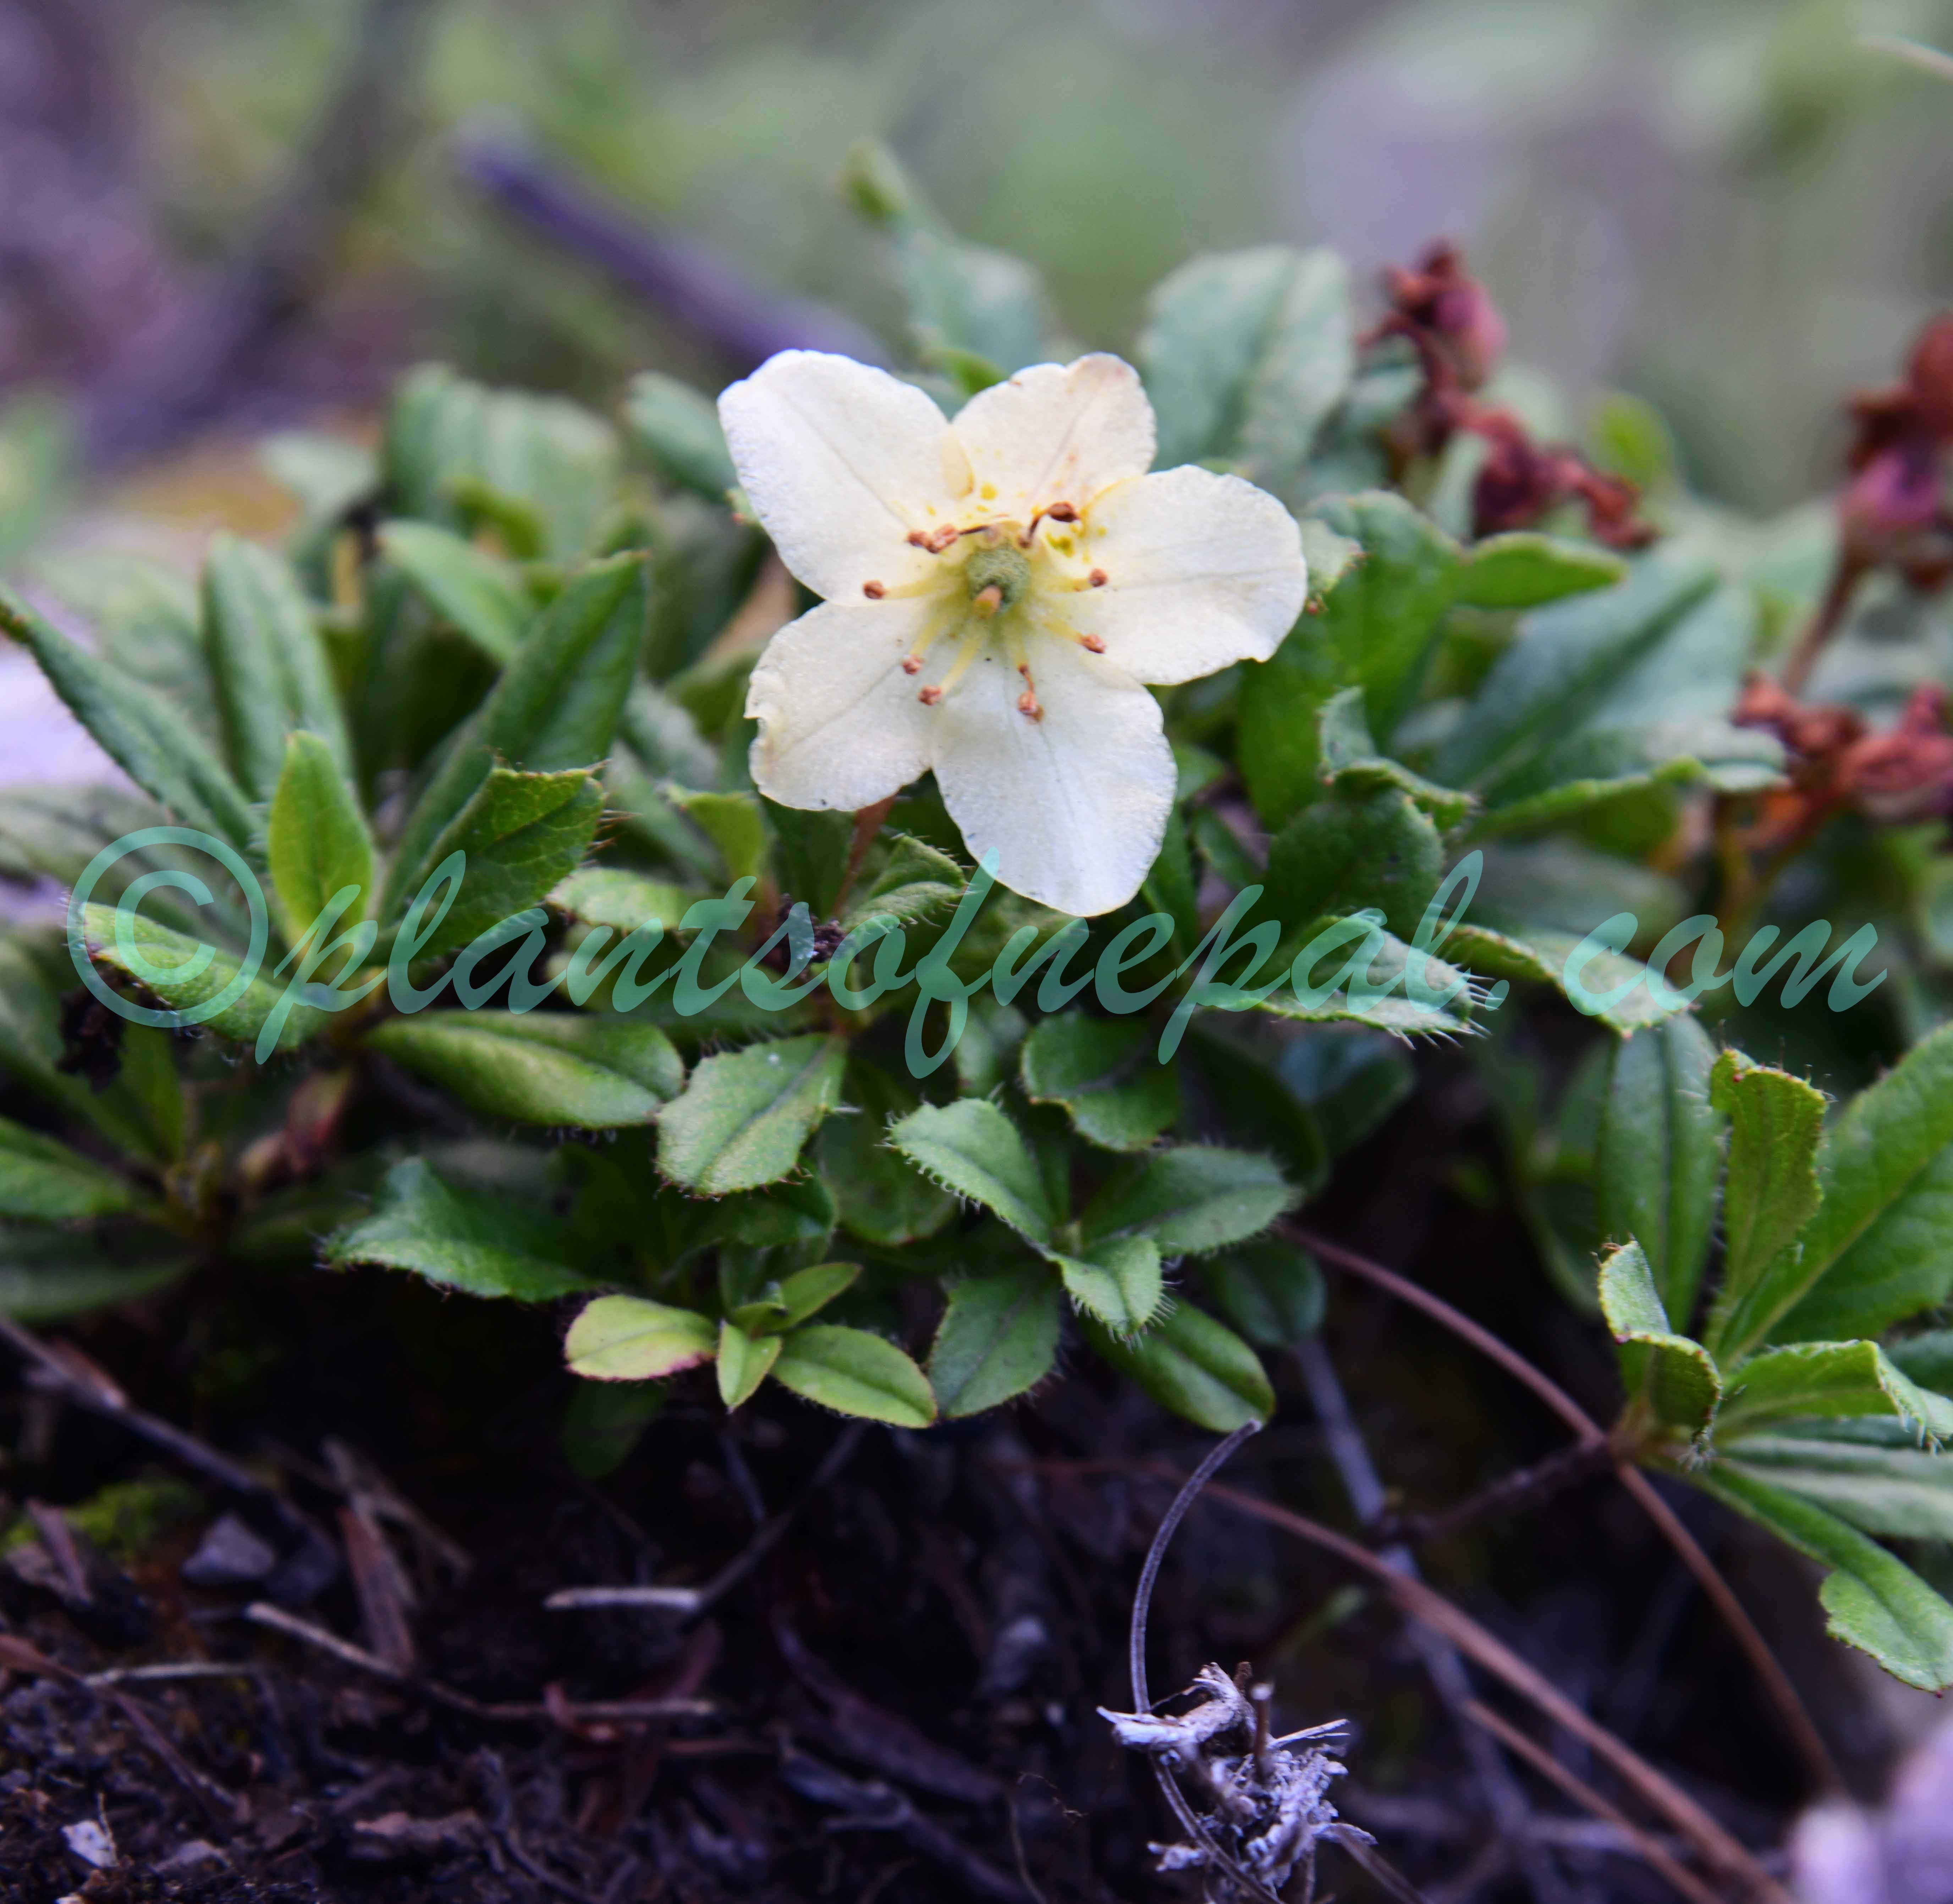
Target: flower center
(1004, 569)
(1006, 566)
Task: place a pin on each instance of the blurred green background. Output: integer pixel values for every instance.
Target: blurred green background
(1738, 208)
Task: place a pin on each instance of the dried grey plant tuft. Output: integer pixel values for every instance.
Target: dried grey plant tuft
(1268, 1807)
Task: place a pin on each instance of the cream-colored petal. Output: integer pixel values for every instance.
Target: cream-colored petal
(1075, 804)
(1056, 433)
(1201, 571)
(840, 726)
(841, 461)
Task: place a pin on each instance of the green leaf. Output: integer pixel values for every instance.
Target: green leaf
(735, 823)
(741, 1120)
(1272, 1293)
(520, 835)
(1525, 570)
(586, 1069)
(478, 593)
(602, 1422)
(625, 1339)
(1876, 1250)
(540, 461)
(963, 299)
(555, 707)
(916, 882)
(477, 1240)
(48, 1273)
(1677, 1376)
(186, 973)
(1277, 708)
(1348, 760)
(147, 622)
(882, 1197)
(1832, 1379)
(141, 1110)
(622, 900)
(1195, 1366)
(1927, 1359)
(745, 1362)
(1190, 1200)
(1352, 1080)
(998, 1339)
(1769, 1194)
(1106, 1074)
(973, 1151)
(268, 663)
(1565, 660)
(855, 1374)
(1539, 953)
(664, 738)
(316, 841)
(675, 429)
(1245, 355)
(786, 1305)
(137, 728)
(1381, 619)
(1259, 1103)
(47, 1182)
(1875, 1602)
(1327, 556)
(1659, 1155)
(1904, 1492)
(1352, 851)
(1119, 1283)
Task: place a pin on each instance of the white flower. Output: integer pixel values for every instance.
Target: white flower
(997, 590)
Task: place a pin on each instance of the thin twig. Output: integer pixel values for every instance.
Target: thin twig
(696, 285)
(615, 1711)
(690, 1602)
(1511, 1815)
(1481, 1338)
(1644, 1844)
(671, 1599)
(176, 373)
(1135, 1650)
(1822, 625)
(1526, 1487)
(1804, 1733)
(1730, 1857)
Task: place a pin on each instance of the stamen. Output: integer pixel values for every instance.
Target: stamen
(1062, 512)
(1091, 643)
(972, 646)
(1098, 578)
(911, 663)
(936, 540)
(873, 591)
(1027, 702)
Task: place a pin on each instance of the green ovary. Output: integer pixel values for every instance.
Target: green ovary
(1006, 569)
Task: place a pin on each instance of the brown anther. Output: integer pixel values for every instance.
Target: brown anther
(1027, 703)
(1062, 512)
(940, 539)
(917, 539)
(1024, 668)
(1091, 644)
(929, 696)
(987, 601)
(873, 591)
(911, 663)
(1098, 578)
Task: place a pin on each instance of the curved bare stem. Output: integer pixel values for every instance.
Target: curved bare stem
(1804, 1735)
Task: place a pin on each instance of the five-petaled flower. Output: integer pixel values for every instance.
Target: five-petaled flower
(998, 589)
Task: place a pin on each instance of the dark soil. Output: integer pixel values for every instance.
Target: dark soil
(897, 1699)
